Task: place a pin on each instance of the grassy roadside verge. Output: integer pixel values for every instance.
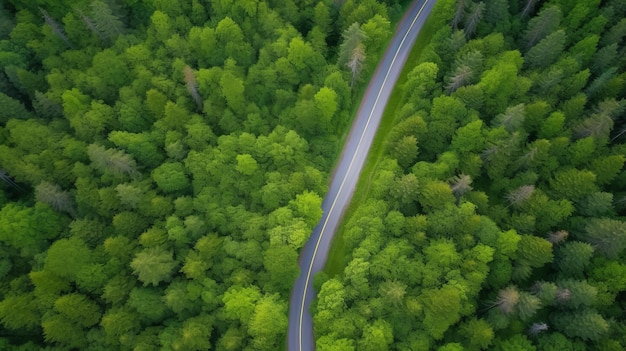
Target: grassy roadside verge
(338, 255)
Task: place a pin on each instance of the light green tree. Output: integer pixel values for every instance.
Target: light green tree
(442, 308)
(171, 177)
(478, 333)
(268, 324)
(66, 257)
(153, 265)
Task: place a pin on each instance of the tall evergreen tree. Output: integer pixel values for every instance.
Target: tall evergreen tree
(106, 23)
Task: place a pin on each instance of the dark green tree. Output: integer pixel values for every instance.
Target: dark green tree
(540, 26)
(546, 51)
(608, 236)
(106, 24)
(572, 258)
(586, 324)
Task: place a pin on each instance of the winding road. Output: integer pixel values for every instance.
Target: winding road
(313, 256)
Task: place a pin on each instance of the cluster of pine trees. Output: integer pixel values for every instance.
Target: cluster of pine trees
(495, 219)
(162, 162)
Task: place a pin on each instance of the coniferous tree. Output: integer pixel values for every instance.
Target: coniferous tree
(572, 258)
(529, 6)
(474, 17)
(111, 160)
(546, 51)
(461, 5)
(54, 196)
(608, 236)
(461, 77)
(586, 324)
(106, 23)
(55, 27)
(356, 61)
(512, 119)
(352, 50)
(540, 26)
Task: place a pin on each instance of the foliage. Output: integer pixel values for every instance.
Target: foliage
(498, 211)
(163, 162)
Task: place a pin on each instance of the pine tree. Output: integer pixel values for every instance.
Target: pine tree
(473, 18)
(548, 20)
(596, 87)
(89, 23)
(586, 324)
(528, 7)
(106, 23)
(527, 306)
(355, 63)
(55, 27)
(111, 160)
(547, 51)
(573, 257)
(462, 76)
(575, 294)
(604, 58)
(461, 5)
(615, 35)
(608, 236)
(54, 196)
(352, 50)
(512, 119)
(11, 108)
(545, 291)
(352, 37)
(45, 107)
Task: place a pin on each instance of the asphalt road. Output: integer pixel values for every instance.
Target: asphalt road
(313, 256)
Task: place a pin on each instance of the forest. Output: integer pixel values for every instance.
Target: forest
(162, 163)
(495, 218)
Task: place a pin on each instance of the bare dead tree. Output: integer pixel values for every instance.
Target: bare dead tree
(355, 63)
(192, 86)
(520, 195)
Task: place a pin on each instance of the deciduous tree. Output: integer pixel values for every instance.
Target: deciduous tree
(268, 323)
(153, 265)
(171, 177)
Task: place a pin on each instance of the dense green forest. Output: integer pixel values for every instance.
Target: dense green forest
(495, 219)
(162, 163)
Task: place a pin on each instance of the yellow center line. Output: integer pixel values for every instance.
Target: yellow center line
(308, 276)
